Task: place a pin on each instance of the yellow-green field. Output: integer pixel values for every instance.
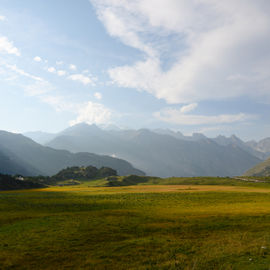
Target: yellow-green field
(136, 227)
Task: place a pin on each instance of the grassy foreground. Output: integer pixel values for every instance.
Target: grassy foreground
(136, 227)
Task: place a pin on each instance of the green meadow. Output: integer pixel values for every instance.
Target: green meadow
(183, 224)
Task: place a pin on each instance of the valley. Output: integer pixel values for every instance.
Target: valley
(100, 212)
(186, 226)
(134, 135)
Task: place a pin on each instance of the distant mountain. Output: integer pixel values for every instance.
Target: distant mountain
(179, 135)
(262, 145)
(259, 149)
(39, 136)
(261, 169)
(159, 154)
(22, 155)
(235, 141)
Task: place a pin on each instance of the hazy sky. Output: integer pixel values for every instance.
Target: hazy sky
(189, 65)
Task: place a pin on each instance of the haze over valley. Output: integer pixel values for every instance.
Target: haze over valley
(162, 153)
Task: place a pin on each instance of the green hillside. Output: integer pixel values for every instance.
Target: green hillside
(66, 177)
(261, 169)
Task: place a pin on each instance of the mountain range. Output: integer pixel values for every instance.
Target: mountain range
(262, 145)
(163, 153)
(21, 155)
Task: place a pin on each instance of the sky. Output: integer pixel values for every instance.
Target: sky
(186, 65)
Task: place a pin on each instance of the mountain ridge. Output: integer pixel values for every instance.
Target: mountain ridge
(161, 154)
(48, 161)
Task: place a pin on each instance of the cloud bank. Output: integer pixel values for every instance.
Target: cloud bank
(219, 48)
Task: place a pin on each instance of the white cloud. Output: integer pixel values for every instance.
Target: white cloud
(89, 112)
(81, 78)
(176, 116)
(51, 69)
(2, 18)
(138, 76)
(38, 89)
(59, 103)
(23, 73)
(93, 113)
(213, 41)
(72, 67)
(37, 59)
(188, 108)
(98, 95)
(59, 63)
(61, 72)
(7, 46)
(58, 72)
(122, 26)
(45, 92)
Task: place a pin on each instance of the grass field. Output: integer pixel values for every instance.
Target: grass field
(137, 227)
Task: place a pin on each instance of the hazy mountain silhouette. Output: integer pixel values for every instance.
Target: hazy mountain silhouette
(260, 150)
(262, 146)
(40, 136)
(233, 140)
(159, 154)
(24, 156)
(11, 164)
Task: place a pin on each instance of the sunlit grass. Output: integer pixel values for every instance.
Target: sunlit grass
(136, 227)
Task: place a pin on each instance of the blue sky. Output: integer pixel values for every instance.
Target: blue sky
(192, 66)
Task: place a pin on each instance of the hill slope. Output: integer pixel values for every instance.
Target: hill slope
(32, 159)
(8, 182)
(261, 169)
(11, 164)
